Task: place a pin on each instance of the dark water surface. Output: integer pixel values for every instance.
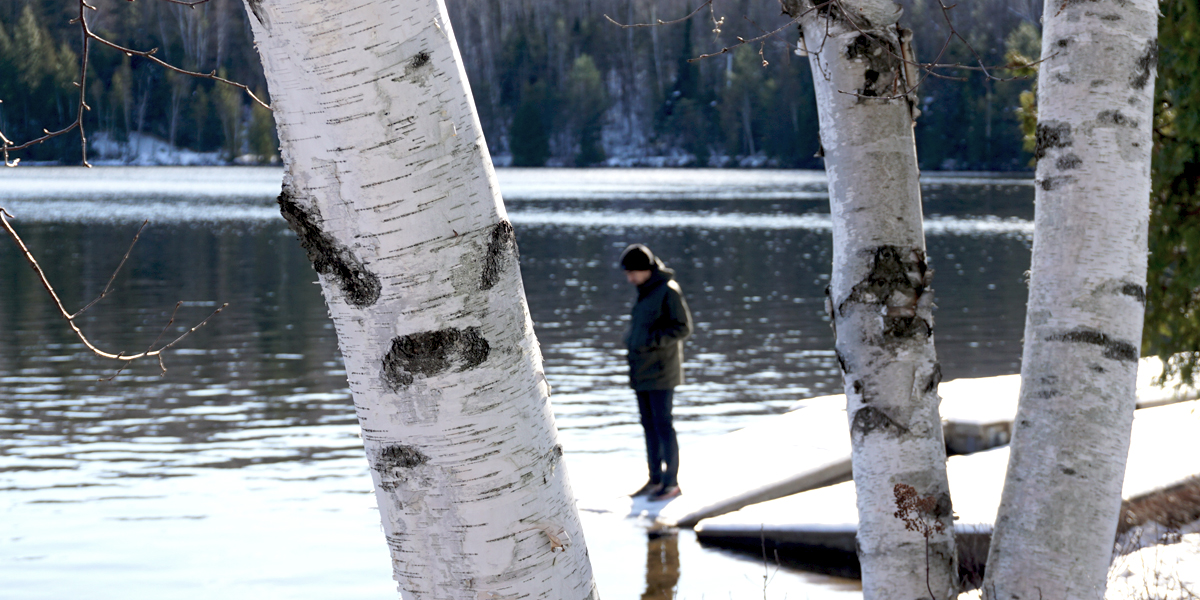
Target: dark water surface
(239, 473)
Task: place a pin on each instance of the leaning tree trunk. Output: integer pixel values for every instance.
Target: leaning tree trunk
(391, 189)
(1058, 513)
(879, 299)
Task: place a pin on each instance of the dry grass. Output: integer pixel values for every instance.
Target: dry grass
(1171, 507)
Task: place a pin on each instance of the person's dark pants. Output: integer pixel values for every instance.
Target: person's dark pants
(662, 449)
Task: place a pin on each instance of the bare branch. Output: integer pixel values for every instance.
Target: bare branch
(117, 270)
(149, 55)
(7, 146)
(70, 318)
(761, 38)
(193, 4)
(660, 21)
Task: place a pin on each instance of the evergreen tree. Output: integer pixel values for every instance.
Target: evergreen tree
(686, 117)
(8, 75)
(229, 107)
(1172, 329)
(741, 102)
(1023, 48)
(37, 73)
(263, 143)
(528, 138)
(587, 102)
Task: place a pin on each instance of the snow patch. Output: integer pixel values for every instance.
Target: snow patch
(1166, 568)
(145, 150)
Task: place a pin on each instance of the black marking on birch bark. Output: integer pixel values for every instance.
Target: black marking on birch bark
(360, 287)
(1052, 134)
(881, 64)
(1135, 291)
(841, 361)
(1145, 66)
(906, 327)
(391, 462)
(859, 47)
(554, 457)
(858, 386)
(1063, 79)
(1053, 183)
(1114, 117)
(399, 456)
(870, 419)
(1068, 161)
(1063, 42)
(420, 60)
(432, 352)
(826, 10)
(503, 239)
(1113, 349)
(935, 378)
(256, 8)
(870, 79)
(1068, 471)
(897, 280)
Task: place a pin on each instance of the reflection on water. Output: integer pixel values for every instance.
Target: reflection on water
(662, 566)
(240, 472)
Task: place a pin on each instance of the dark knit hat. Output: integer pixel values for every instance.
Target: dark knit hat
(637, 258)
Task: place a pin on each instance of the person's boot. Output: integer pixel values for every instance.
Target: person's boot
(649, 489)
(667, 492)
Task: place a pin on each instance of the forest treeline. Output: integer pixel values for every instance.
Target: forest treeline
(555, 82)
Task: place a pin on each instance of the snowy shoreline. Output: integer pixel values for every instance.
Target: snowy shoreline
(145, 150)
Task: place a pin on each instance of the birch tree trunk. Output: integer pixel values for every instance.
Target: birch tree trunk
(1058, 513)
(390, 187)
(879, 299)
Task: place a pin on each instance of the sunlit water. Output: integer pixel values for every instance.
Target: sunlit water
(240, 474)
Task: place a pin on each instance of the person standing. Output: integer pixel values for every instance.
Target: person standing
(660, 322)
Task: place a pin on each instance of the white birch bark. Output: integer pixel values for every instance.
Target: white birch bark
(879, 297)
(1058, 514)
(390, 187)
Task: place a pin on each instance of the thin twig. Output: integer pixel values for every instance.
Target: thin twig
(660, 21)
(149, 55)
(108, 287)
(744, 41)
(70, 318)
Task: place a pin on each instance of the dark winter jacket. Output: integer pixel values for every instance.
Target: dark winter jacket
(660, 323)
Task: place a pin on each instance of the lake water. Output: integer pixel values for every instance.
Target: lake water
(239, 473)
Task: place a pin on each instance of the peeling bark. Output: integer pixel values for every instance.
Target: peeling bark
(1059, 510)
